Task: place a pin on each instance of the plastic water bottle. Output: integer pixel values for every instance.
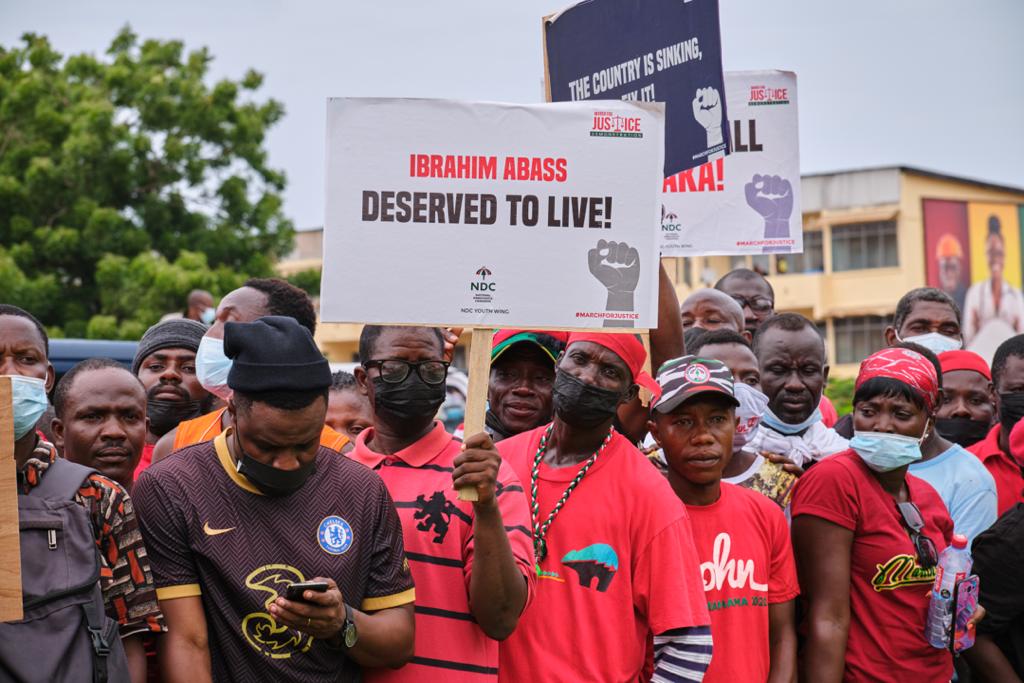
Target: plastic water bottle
(954, 565)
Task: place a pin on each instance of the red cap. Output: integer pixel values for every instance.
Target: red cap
(628, 348)
(959, 541)
(964, 360)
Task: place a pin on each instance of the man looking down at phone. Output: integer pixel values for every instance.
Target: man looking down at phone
(237, 520)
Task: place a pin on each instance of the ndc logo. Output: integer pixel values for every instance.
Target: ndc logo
(670, 221)
(609, 125)
(482, 288)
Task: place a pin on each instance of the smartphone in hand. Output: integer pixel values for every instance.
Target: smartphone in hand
(295, 591)
(965, 601)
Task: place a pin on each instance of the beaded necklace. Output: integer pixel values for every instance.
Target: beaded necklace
(540, 530)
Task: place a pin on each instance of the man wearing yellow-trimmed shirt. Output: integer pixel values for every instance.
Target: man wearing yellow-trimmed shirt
(234, 521)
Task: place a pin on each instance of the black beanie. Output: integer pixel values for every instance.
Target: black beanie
(177, 333)
(274, 353)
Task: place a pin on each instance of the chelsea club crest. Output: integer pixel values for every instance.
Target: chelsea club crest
(334, 535)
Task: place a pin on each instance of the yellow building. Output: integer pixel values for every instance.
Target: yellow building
(864, 247)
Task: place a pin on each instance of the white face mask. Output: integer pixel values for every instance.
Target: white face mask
(212, 367)
(749, 413)
(935, 342)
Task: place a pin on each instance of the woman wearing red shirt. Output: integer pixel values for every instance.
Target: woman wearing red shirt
(866, 535)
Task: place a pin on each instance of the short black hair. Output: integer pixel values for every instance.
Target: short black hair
(284, 298)
(927, 353)
(341, 381)
(790, 322)
(8, 309)
(371, 333)
(63, 389)
(1012, 347)
(745, 274)
(692, 337)
(907, 302)
(282, 399)
(889, 387)
(720, 336)
(994, 227)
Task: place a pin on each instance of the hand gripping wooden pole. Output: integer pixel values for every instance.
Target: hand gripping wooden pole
(476, 394)
(10, 542)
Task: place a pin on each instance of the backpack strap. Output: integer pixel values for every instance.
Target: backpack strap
(61, 480)
(94, 616)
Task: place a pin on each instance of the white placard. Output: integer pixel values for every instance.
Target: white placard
(748, 202)
(492, 215)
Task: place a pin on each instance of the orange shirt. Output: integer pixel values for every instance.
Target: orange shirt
(206, 427)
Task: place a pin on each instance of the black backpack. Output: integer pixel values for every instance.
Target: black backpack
(65, 634)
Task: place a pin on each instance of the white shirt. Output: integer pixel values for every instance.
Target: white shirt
(817, 442)
(980, 307)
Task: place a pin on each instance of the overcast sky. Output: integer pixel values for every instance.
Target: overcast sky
(931, 83)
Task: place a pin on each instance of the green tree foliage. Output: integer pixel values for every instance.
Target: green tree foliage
(840, 392)
(308, 280)
(127, 180)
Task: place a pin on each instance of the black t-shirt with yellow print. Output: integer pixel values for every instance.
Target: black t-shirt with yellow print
(210, 533)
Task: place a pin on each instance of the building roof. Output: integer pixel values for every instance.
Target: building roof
(915, 170)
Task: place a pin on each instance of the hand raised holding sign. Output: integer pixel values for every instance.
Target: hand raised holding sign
(616, 265)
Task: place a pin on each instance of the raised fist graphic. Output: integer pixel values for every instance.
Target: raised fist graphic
(772, 197)
(707, 110)
(616, 265)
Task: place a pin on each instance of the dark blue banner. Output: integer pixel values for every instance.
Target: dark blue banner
(649, 50)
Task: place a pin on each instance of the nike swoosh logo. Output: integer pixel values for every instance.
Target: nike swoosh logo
(215, 532)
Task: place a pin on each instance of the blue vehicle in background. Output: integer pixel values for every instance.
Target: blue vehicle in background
(65, 353)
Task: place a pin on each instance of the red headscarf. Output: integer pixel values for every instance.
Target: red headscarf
(628, 348)
(905, 366)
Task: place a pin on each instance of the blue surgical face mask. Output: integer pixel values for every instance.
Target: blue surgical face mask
(29, 399)
(886, 452)
(208, 316)
(935, 342)
(772, 421)
(212, 367)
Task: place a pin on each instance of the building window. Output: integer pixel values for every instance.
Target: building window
(683, 269)
(856, 246)
(811, 261)
(858, 337)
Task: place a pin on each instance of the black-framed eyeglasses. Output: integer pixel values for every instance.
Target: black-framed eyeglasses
(758, 304)
(927, 553)
(396, 370)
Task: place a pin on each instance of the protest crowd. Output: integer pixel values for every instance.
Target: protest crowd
(258, 518)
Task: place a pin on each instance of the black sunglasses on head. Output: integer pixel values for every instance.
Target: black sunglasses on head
(927, 553)
(396, 370)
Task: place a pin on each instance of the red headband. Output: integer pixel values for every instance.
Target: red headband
(628, 348)
(964, 360)
(905, 366)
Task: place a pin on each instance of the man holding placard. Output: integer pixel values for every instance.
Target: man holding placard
(615, 554)
(473, 562)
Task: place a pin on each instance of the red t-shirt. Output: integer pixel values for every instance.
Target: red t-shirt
(620, 567)
(145, 461)
(438, 532)
(747, 564)
(1003, 468)
(888, 588)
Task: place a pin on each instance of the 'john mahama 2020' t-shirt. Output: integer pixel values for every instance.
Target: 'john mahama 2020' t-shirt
(746, 563)
(210, 533)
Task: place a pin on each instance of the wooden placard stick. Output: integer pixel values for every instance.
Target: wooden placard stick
(476, 394)
(10, 541)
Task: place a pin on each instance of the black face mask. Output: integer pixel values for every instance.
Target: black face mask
(410, 404)
(1011, 409)
(962, 430)
(580, 404)
(270, 480)
(166, 415)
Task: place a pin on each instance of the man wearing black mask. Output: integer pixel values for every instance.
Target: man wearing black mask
(235, 521)
(165, 363)
(615, 556)
(473, 562)
(968, 408)
(994, 449)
